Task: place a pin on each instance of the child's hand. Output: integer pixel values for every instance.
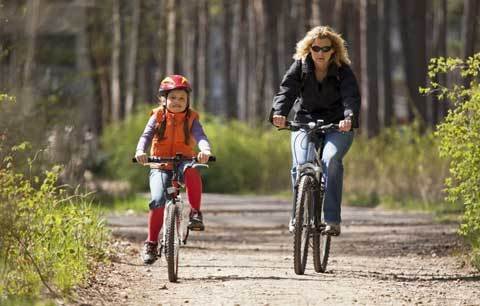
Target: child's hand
(141, 157)
(203, 156)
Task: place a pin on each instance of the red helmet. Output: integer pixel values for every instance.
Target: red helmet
(172, 82)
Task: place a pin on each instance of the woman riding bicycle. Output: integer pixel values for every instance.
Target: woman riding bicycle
(320, 85)
(172, 128)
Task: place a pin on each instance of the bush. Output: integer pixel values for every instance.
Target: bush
(400, 165)
(459, 141)
(48, 239)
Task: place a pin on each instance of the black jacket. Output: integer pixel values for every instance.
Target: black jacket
(332, 100)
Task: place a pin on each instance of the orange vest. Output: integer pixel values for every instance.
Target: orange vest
(174, 137)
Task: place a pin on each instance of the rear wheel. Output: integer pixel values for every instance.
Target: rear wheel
(172, 243)
(302, 224)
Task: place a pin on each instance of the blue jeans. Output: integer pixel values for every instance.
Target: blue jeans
(336, 145)
(159, 181)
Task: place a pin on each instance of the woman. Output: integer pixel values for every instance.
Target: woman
(322, 85)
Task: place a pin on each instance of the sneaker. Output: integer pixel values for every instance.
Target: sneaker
(149, 254)
(291, 225)
(196, 221)
(332, 229)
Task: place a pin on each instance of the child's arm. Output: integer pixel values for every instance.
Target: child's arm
(202, 142)
(145, 140)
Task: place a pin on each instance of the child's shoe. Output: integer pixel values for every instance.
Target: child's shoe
(149, 254)
(196, 221)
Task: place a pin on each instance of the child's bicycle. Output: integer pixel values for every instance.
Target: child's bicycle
(176, 215)
(308, 203)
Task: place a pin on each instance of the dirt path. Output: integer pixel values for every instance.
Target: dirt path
(245, 258)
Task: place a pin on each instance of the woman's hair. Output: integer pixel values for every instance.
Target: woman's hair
(340, 55)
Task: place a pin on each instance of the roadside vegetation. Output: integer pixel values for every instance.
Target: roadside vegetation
(51, 236)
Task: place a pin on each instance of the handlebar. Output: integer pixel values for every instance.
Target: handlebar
(177, 158)
(311, 126)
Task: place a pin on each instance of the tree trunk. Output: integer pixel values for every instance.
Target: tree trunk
(171, 31)
(260, 65)
(369, 46)
(315, 17)
(440, 107)
(387, 70)
(203, 42)
(412, 20)
(469, 28)
(227, 65)
(132, 58)
(116, 45)
(32, 16)
(243, 62)
(271, 10)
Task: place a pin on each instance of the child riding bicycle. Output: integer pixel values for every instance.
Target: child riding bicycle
(172, 128)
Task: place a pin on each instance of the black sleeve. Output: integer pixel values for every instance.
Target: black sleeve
(289, 90)
(349, 92)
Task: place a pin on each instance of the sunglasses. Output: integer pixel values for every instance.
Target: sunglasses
(323, 49)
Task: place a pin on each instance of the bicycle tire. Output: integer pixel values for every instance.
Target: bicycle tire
(302, 224)
(321, 242)
(321, 250)
(171, 243)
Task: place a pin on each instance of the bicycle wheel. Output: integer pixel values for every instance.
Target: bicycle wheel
(321, 250)
(172, 243)
(302, 224)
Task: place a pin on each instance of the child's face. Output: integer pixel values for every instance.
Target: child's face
(177, 101)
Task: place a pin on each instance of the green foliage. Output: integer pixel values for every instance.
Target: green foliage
(248, 159)
(460, 141)
(400, 166)
(48, 238)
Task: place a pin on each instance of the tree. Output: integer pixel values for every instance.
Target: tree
(439, 107)
(469, 29)
(385, 22)
(115, 81)
(412, 20)
(132, 57)
(368, 28)
(227, 65)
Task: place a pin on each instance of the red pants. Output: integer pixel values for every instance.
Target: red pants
(193, 184)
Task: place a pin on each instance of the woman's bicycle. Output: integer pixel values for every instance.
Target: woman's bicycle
(310, 191)
(177, 212)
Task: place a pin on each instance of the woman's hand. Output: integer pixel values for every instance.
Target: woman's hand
(203, 156)
(345, 125)
(141, 157)
(279, 121)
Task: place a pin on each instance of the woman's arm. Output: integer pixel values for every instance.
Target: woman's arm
(349, 92)
(289, 90)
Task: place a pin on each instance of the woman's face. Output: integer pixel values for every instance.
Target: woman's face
(322, 51)
(177, 101)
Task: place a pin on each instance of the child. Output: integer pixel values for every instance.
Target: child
(172, 128)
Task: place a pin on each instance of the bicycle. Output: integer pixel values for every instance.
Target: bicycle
(308, 203)
(176, 215)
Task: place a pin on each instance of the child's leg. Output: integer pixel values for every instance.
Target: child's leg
(155, 222)
(159, 180)
(193, 183)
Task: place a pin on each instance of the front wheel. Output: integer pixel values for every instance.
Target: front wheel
(302, 223)
(321, 250)
(172, 243)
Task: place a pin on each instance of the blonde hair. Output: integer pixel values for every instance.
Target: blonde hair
(340, 54)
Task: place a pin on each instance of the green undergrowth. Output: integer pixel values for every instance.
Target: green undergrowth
(50, 237)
